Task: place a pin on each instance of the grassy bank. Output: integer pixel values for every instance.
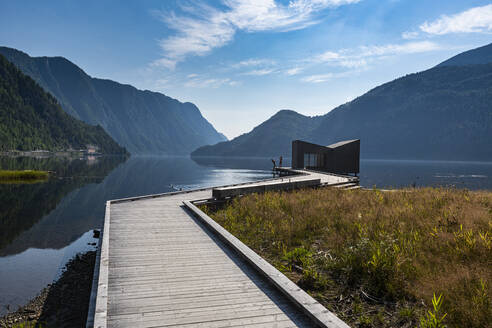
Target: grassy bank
(20, 176)
(374, 258)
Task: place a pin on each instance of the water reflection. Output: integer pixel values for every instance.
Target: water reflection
(43, 225)
(23, 205)
(24, 275)
(56, 217)
(253, 163)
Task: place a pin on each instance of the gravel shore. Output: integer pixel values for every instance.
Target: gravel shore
(62, 304)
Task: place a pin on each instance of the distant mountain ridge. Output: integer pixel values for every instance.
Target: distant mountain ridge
(144, 122)
(444, 113)
(268, 138)
(32, 119)
(477, 56)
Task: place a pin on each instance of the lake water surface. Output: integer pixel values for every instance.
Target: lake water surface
(43, 225)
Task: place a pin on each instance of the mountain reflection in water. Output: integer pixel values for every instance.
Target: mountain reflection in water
(43, 225)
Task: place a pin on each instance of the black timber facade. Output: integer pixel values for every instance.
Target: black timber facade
(342, 157)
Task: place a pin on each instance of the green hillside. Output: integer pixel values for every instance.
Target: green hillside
(144, 122)
(32, 119)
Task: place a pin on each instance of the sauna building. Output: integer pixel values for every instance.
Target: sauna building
(342, 157)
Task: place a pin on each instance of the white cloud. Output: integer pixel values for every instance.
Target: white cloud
(253, 62)
(164, 62)
(209, 83)
(294, 71)
(473, 20)
(398, 49)
(202, 28)
(327, 56)
(260, 72)
(318, 78)
(359, 57)
(410, 35)
(350, 63)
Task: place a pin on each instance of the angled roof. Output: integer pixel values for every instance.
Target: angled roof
(341, 143)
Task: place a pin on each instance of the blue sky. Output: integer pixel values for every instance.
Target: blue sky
(241, 61)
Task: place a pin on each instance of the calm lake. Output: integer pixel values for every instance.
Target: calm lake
(43, 225)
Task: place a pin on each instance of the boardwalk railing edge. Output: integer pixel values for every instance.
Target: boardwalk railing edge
(317, 312)
(98, 304)
(172, 193)
(95, 280)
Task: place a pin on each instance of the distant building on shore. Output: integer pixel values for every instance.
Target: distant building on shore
(342, 157)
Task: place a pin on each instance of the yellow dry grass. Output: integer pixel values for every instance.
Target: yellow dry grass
(377, 258)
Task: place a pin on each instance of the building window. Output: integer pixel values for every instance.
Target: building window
(310, 160)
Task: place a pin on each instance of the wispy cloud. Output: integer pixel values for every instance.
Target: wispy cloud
(359, 57)
(197, 82)
(353, 63)
(410, 35)
(201, 28)
(473, 20)
(260, 72)
(318, 78)
(398, 49)
(253, 62)
(294, 71)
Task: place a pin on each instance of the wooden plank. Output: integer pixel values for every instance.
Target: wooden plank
(160, 267)
(310, 306)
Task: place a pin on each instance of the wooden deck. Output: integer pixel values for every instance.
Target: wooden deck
(160, 266)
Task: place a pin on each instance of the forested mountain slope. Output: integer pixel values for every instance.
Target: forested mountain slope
(32, 119)
(144, 122)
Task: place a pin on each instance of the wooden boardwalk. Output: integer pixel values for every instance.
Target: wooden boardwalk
(160, 266)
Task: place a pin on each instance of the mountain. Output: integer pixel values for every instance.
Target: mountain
(443, 113)
(270, 138)
(32, 119)
(477, 56)
(144, 122)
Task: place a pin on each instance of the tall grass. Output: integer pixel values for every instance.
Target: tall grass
(26, 175)
(28, 324)
(377, 258)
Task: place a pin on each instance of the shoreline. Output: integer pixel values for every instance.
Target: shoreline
(65, 302)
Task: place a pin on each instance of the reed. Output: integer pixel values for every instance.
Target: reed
(377, 258)
(25, 175)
